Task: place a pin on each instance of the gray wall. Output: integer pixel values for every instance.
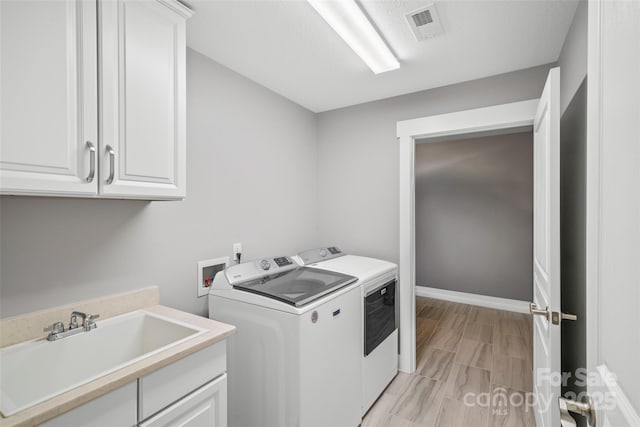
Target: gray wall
(573, 162)
(573, 56)
(474, 213)
(334, 181)
(358, 156)
(573, 100)
(251, 179)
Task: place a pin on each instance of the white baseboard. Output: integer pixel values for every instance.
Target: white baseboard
(474, 299)
(621, 412)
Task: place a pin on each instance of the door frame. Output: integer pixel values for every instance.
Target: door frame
(480, 120)
(621, 411)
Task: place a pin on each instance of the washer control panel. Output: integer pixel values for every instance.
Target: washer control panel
(283, 261)
(320, 254)
(260, 268)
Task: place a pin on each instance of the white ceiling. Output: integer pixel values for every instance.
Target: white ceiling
(286, 46)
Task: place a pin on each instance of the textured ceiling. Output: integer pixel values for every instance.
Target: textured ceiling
(287, 47)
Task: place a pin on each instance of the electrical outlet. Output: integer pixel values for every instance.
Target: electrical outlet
(207, 271)
(237, 249)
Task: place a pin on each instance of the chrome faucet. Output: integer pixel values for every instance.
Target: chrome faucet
(73, 321)
(57, 331)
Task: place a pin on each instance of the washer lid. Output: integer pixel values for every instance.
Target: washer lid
(297, 287)
(363, 268)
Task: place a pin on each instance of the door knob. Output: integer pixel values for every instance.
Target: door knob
(586, 409)
(534, 310)
(554, 316)
(557, 316)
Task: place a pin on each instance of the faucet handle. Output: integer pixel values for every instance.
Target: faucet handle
(55, 328)
(89, 323)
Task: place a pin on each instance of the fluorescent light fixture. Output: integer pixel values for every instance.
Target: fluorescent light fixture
(348, 20)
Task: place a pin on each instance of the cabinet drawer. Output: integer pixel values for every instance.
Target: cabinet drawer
(116, 408)
(169, 384)
(205, 407)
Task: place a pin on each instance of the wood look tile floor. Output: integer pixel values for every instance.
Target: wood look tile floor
(473, 369)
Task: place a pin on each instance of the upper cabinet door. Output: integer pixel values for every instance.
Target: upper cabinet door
(48, 93)
(142, 85)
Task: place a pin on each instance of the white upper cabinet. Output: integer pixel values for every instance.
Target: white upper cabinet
(142, 87)
(48, 92)
(57, 138)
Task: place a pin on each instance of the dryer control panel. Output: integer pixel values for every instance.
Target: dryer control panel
(254, 269)
(320, 254)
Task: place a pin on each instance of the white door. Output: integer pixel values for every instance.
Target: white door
(613, 212)
(205, 407)
(48, 92)
(143, 127)
(546, 250)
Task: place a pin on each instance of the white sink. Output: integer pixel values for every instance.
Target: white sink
(35, 371)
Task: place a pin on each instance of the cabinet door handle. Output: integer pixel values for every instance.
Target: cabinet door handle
(112, 163)
(92, 161)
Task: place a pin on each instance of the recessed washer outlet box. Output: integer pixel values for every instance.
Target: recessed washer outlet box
(425, 22)
(207, 271)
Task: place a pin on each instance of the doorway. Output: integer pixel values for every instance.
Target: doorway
(544, 115)
(473, 364)
(498, 119)
(474, 217)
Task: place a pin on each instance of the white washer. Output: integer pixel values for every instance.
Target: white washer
(379, 336)
(295, 359)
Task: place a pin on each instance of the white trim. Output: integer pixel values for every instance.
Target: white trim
(406, 270)
(503, 116)
(506, 116)
(474, 299)
(178, 7)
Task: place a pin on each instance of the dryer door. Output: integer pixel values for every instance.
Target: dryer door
(379, 315)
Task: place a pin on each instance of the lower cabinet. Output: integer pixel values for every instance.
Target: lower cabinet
(160, 389)
(191, 392)
(205, 407)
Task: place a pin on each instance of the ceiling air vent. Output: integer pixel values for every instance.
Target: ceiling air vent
(424, 22)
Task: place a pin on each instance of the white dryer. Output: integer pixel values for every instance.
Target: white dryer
(295, 358)
(379, 342)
